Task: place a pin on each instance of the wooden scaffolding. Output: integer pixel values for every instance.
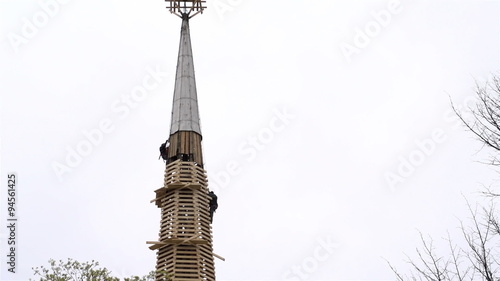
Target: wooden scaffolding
(185, 245)
(184, 248)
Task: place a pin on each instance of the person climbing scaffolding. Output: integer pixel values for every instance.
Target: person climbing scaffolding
(212, 204)
(164, 151)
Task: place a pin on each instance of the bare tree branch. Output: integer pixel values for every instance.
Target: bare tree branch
(477, 256)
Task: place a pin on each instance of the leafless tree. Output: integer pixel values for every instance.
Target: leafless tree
(476, 257)
(483, 119)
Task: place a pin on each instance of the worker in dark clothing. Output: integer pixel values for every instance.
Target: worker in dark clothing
(212, 204)
(164, 151)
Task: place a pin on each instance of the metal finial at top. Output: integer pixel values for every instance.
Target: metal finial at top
(186, 7)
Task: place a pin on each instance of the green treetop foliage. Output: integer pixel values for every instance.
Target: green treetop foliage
(73, 270)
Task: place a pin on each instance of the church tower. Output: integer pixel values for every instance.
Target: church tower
(184, 248)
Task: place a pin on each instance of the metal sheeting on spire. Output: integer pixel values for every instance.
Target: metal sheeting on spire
(185, 116)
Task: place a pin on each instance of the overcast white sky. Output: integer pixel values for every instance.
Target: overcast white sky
(306, 108)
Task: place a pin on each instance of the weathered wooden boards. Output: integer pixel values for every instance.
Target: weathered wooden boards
(188, 144)
(185, 242)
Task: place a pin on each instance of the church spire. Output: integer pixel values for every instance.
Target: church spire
(185, 115)
(184, 248)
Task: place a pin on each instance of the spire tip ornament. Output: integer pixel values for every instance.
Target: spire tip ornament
(190, 8)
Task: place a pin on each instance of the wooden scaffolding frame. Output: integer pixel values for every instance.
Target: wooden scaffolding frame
(185, 244)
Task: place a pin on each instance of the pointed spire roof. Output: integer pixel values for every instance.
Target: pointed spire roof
(185, 116)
